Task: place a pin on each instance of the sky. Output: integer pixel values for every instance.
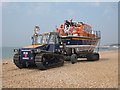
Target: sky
(19, 18)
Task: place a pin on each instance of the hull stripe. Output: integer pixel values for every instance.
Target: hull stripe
(83, 39)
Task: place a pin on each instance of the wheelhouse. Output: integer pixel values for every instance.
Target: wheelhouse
(46, 38)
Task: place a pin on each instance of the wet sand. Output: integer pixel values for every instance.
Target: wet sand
(84, 74)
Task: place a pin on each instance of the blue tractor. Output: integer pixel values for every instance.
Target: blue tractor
(44, 52)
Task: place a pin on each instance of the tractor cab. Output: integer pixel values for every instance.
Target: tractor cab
(51, 41)
(40, 39)
(54, 42)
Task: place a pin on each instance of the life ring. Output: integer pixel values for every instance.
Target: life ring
(74, 31)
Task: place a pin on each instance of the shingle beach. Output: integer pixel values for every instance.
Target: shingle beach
(84, 74)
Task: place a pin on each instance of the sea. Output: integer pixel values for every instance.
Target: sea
(8, 52)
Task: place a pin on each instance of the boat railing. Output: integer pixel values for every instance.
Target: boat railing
(78, 31)
(93, 33)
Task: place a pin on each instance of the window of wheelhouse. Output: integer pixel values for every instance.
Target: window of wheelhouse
(39, 38)
(45, 39)
(36, 39)
(87, 28)
(53, 39)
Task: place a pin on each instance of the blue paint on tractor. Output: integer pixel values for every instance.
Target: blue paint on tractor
(27, 53)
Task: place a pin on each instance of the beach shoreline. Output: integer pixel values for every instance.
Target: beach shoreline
(84, 74)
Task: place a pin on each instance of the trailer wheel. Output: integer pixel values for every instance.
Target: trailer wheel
(96, 56)
(93, 56)
(74, 58)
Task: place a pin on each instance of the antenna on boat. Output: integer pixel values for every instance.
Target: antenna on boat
(36, 30)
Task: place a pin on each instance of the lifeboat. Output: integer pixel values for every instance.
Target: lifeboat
(79, 36)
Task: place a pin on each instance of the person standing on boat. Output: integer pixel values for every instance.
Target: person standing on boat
(71, 22)
(67, 23)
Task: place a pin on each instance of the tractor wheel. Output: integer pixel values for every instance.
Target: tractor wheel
(49, 60)
(93, 56)
(39, 58)
(17, 62)
(74, 58)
